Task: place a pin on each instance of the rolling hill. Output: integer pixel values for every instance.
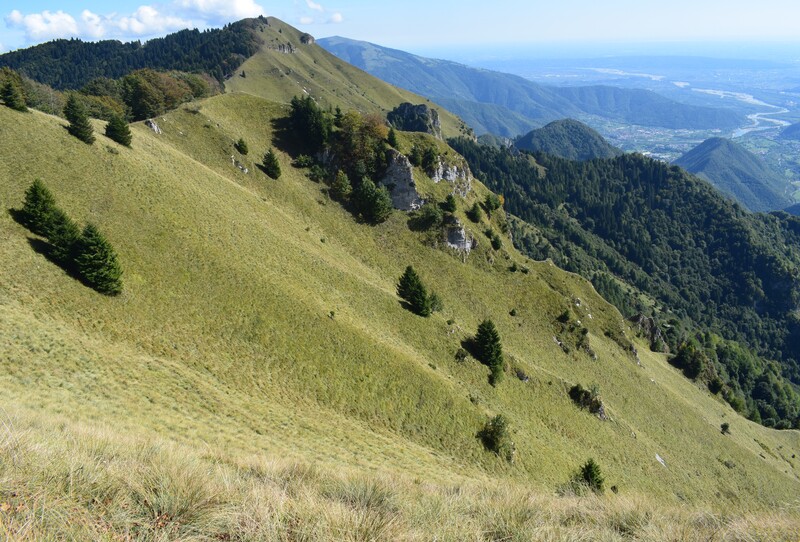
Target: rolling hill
(737, 173)
(259, 378)
(568, 139)
(476, 93)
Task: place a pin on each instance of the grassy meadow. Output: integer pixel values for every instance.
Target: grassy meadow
(258, 378)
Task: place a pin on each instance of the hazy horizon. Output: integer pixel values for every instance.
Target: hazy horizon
(573, 27)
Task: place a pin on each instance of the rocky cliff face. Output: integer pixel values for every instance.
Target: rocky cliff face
(416, 118)
(458, 175)
(458, 237)
(399, 179)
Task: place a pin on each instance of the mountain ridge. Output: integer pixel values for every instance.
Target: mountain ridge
(539, 103)
(738, 173)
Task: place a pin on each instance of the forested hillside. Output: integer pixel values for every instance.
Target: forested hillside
(738, 173)
(567, 138)
(715, 271)
(71, 64)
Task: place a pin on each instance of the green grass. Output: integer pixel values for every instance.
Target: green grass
(222, 342)
(313, 71)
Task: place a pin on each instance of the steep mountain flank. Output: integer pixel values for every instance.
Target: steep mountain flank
(485, 97)
(738, 173)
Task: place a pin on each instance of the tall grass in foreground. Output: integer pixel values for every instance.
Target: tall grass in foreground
(61, 482)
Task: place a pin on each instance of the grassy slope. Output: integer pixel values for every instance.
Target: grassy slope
(223, 337)
(330, 81)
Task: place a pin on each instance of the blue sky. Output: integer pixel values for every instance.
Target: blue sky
(415, 25)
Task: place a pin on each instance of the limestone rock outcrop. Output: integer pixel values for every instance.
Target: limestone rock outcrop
(399, 180)
(416, 118)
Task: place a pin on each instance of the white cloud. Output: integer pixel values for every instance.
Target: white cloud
(306, 20)
(314, 6)
(336, 18)
(227, 10)
(93, 25)
(45, 25)
(147, 21)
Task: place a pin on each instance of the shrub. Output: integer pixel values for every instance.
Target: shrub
(725, 428)
(496, 437)
(241, 146)
(449, 204)
(461, 355)
(303, 161)
(588, 399)
(392, 138)
(491, 203)
(591, 476)
(429, 217)
(474, 213)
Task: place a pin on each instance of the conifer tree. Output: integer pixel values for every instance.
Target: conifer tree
(341, 189)
(78, 118)
(373, 203)
(63, 235)
(411, 289)
(96, 262)
(489, 350)
(271, 166)
(117, 130)
(12, 95)
(37, 208)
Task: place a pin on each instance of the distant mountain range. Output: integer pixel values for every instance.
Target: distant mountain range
(509, 105)
(568, 139)
(738, 173)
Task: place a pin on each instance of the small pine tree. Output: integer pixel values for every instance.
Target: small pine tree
(591, 476)
(118, 130)
(392, 138)
(725, 428)
(79, 125)
(489, 350)
(241, 146)
(63, 235)
(271, 166)
(449, 204)
(341, 188)
(12, 95)
(411, 289)
(96, 262)
(37, 208)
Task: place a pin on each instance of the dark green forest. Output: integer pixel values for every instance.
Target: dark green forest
(725, 281)
(71, 64)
